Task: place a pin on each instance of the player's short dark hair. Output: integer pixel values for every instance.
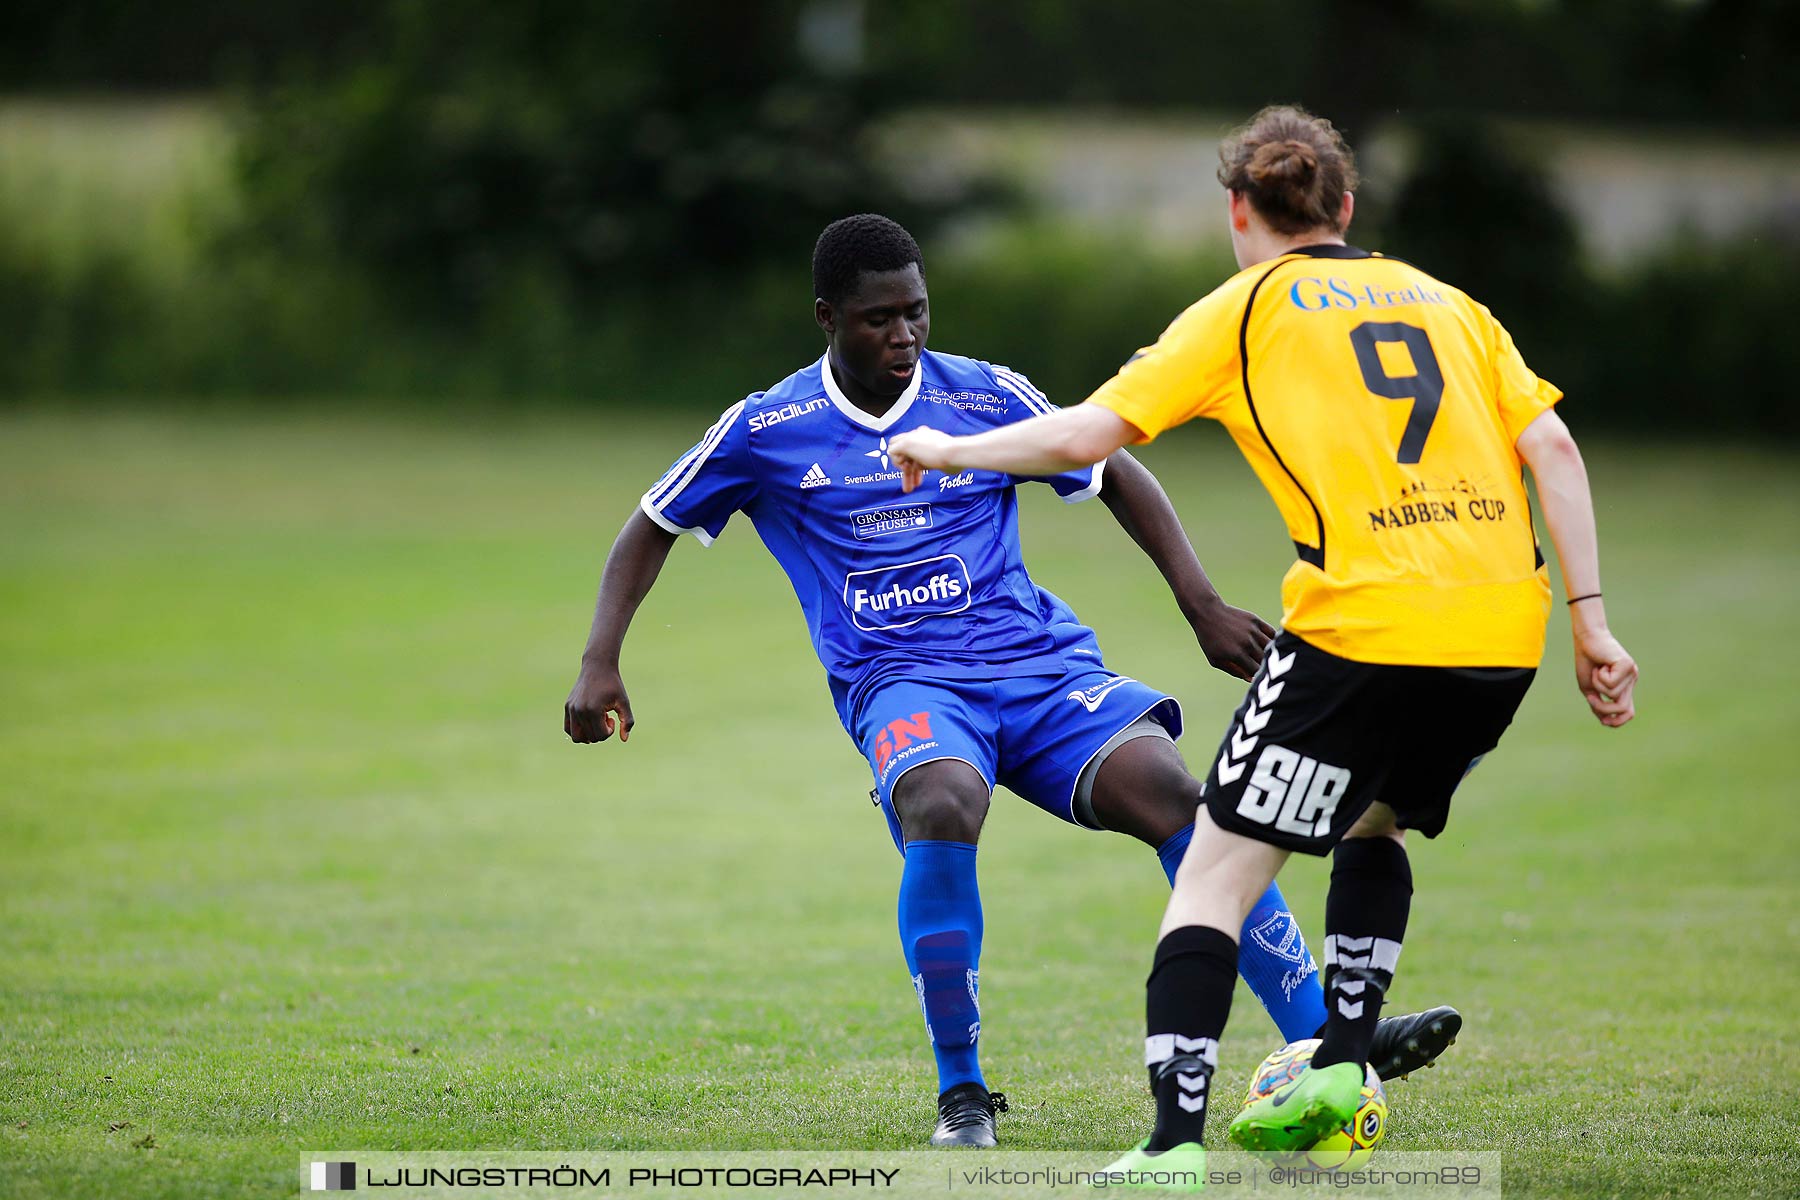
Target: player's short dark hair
(855, 245)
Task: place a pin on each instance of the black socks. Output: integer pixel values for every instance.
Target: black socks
(1187, 999)
(1365, 922)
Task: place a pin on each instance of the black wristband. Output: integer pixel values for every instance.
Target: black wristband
(1589, 596)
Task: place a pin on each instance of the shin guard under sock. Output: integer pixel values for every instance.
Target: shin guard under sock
(940, 933)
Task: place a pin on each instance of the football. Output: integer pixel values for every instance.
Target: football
(1348, 1147)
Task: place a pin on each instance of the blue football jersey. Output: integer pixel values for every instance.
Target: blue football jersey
(931, 583)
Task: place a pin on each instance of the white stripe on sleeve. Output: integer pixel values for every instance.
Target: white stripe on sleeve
(688, 466)
(1021, 387)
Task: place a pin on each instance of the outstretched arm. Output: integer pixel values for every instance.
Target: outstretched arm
(1046, 445)
(1232, 638)
(632, 565)
(1605, 673)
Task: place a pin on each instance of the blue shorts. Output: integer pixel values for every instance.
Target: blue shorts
(1031, 734)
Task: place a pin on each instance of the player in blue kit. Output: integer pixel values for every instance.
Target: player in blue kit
(951, 670)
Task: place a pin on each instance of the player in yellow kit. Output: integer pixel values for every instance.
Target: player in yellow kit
(1390, 416)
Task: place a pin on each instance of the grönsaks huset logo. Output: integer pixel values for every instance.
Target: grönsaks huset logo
(334, 1177)
(894, 518)
(907, 593)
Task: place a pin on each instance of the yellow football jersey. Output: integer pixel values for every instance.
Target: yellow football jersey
(1380, 408)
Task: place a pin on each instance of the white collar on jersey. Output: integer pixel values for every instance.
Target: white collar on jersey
(867, 420)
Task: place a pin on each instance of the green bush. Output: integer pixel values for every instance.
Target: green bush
(1687, 339)
(575, 151)
(1065, 309)
(1697, 339)
(1692, 340)
(1478, 212)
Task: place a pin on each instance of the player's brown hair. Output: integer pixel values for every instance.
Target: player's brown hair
(1291, 165)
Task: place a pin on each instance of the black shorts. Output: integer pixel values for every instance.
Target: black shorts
(1319, 738)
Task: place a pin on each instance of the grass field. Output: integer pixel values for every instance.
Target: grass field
(293, 852)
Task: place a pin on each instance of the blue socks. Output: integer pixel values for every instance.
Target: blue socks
(1274, 961)
(1174, 850)
(1272, 955)
(940, 932)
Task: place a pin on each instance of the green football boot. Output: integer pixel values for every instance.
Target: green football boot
(1296, 1115)
(1187, 1159)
